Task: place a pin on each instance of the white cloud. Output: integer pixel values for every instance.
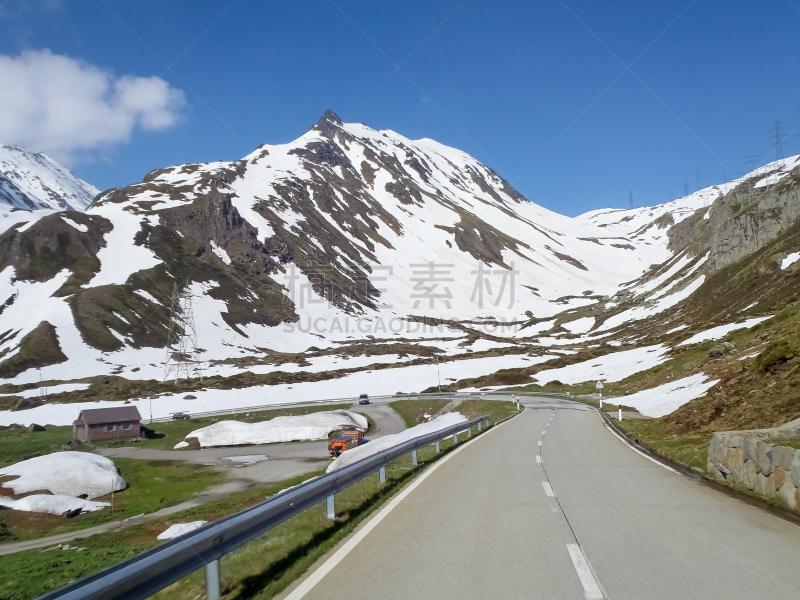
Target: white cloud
(62, 106)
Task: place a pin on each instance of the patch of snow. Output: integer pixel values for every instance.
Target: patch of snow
(664, 399)
(611, 367)
(790, 260)
(120, 257)
(65, 474)
(79, 226)
(313, 426)
(380, 382)
(674, 329)
(148, 296)
(180, 529)
(749, 306)
(220, 252)
(54, 505)
(353, 455)
(579, 325)
(746, 356)
(720, 331)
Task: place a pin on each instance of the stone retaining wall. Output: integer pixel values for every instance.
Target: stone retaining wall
(757, 460)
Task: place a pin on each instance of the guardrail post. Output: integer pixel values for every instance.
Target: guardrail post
(469, 432)
(329, 505)
(479, 425)
(455, 438)
(382, 475)
(414, 457)
(437, 446)
(212, 580)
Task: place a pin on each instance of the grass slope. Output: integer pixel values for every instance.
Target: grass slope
(152, 485)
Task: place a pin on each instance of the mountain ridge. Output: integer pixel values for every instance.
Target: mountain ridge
(350, 250)
(34, 181)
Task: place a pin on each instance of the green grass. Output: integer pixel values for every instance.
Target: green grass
(259, 570)
(496, 409)
(170, 433)
(32, 573)
(17, 443)
(690, 449)
(413, 411)
(152, 485)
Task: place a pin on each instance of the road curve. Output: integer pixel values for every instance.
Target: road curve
(590, 518)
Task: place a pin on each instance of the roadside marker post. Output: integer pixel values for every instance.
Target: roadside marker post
(437, 446)
(212, 579)
(469, 432)
(330, 507)
(414, 457)
(600, 392)
(620, 414)
(382, 472)
(455, 438)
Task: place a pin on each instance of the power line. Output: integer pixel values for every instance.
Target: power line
(183, 352)
(777, 141)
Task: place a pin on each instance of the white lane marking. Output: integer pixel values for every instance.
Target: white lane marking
(548, 490)
(312, 580)
(651, 459)
(591, 590)
(538, 459)
(540, 442)
(544, 432)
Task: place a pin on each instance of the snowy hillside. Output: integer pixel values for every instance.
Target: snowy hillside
(341, 262)
(32, 181)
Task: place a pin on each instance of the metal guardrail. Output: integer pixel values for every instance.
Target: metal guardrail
(263, 407)
(144, 575)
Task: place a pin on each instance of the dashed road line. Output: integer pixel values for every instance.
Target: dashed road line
(591, 590)
(548, 490)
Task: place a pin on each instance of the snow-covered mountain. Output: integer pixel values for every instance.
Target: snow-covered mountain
(314, 264)
(33, 181)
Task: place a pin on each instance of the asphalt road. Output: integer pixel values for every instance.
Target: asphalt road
(593, 519)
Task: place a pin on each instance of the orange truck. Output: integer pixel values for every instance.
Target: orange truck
(344, 440)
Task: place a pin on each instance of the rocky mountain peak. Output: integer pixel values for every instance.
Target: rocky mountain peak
(328, 124)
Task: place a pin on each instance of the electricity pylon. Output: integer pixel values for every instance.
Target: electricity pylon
(183, 353)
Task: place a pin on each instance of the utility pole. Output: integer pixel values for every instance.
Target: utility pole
(630, 197)
(183, 352)
(699, 180)
(685, 188)
(777, 141)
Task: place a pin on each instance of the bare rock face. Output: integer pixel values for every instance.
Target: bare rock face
(742, 222)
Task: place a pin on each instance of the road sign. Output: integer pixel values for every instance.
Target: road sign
(599, 385)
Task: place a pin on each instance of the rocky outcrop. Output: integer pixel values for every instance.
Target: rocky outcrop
(742, 222)
(762, 460)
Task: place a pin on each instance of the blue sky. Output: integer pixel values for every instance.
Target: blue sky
(539, 91)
